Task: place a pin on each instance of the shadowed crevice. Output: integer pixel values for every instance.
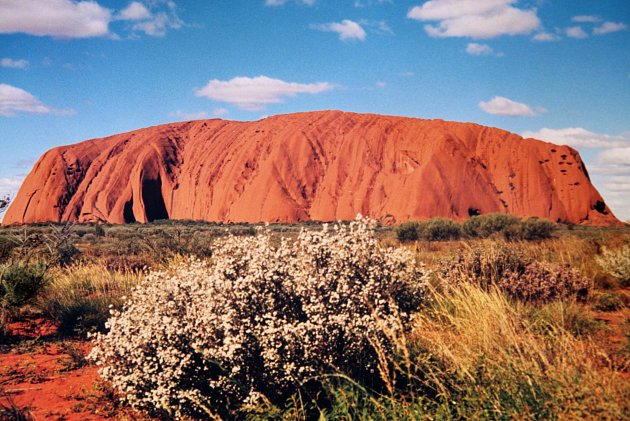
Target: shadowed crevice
(153, 200)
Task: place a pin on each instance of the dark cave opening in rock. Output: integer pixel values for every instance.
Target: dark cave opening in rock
(154, 205)
(128, 215)
(600, 207)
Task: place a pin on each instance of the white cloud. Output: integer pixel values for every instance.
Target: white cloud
(476, 19)
(14, 64)
(10, 185)
(613, 165)
(281, 2)
(545, 37)
(158, 24)
(608, 27)
(153, 24)
(503, 106)
(84, 19)
(618, 183)
(615, 156)
(407, 74)
(57, 18)
(475, 49)
(585, 19)
(578, 137)
(14, 100)
(347, 30)
(255, 93)
(135, 11)
(575, 32)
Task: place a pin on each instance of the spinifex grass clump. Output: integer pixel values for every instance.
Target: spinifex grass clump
(259, 322)
(78, 297)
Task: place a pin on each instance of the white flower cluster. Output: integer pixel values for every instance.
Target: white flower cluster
(258, 320)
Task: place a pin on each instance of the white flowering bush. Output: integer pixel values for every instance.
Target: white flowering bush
(258, 321)
(616, 262)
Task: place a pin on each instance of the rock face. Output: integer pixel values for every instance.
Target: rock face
(327, 165)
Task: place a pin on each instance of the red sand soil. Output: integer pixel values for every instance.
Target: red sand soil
(326, 165)
(39, 376)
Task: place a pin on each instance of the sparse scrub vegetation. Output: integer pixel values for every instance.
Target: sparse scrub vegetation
(508, 227)
(514, 272)
(506, 328)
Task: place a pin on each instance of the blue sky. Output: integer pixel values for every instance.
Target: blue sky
(556, 70)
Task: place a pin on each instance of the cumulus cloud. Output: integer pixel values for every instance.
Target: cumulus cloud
(155, 23)
(57, 18)
(13, 64)
(475, 49)
(608, 27)
(255, 93)
(348, 30)
(575, 32)
(14, 100)
(578, 137)
(476, 19)
(135, 11)
(503, 106)
(84, 19)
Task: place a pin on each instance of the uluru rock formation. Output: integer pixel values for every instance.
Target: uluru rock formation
(326, 165)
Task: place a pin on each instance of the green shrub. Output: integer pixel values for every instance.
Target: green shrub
(440, 229)
(494, 223)
(407, 231)
(21, 283)
(536, 229)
